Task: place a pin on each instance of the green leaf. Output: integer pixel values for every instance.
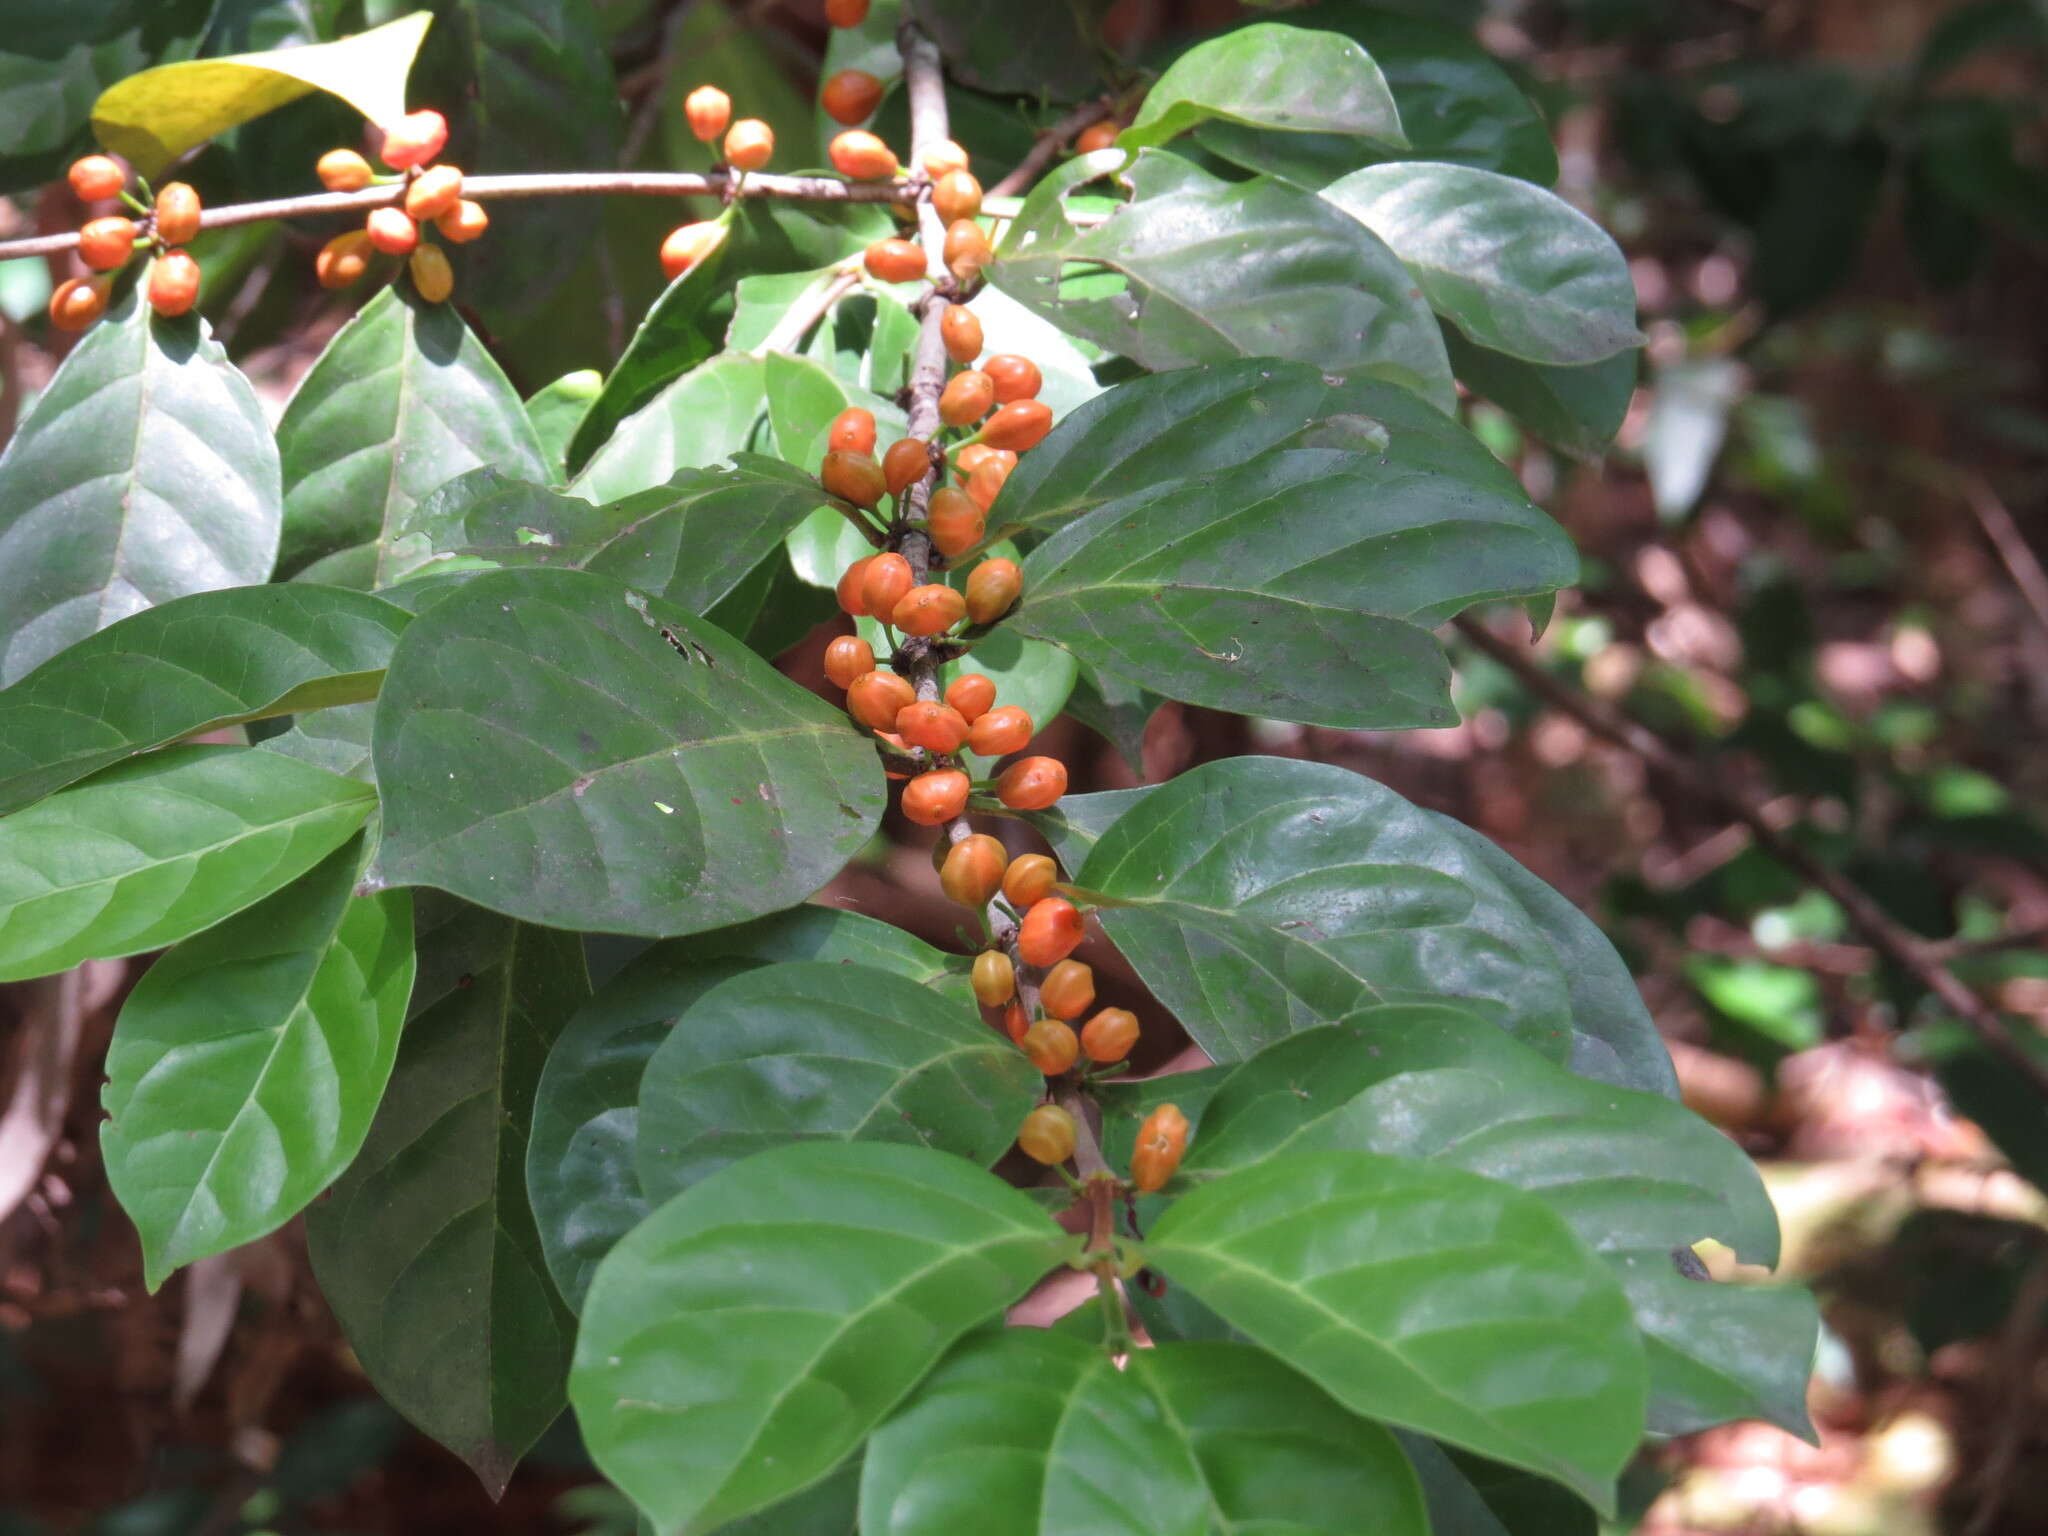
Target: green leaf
(579, 1168)
(153, 850)
(144, 471)
(556, 411)
(1260, 896)
(1516, 268)
(154, 117)
(1195, 270)
(1576, 410)
(426, 1248)
(620, 765)
(337, 740)
(248, 1061)
(1301, 586)
(1117, 710)
(1292, 79)
(670, 340)
(803, 400)
(712, 411)
(194, 664)
(1427, 1297)
(403, 399)
(1023, 1431)
(1470, 1496)
(1056, 57)
(811, 1050)
(741, 1341)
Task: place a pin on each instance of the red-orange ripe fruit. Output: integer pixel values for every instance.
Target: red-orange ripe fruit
(887, 580)
(1067, 990)
(173, 283)
(972, 695)
(960, 330)
(908, 461)
(1048, 1135)
(77, 302)
(929, 610)
(1032, 783)
(954, 521)
(846, 13)
(708, 111)
(999, 732)
(993, 588)
(1029, 880)
(433, 192)
(177, 214)
(343, 260)
(343, 170)
(688, 244)
(1051, 1045)
(859, 156)
(966, 398)
(431, 274)
(970, 458)
(1016, 378)
(391, 231)
(1015, 1019)
(414, 139)
(972, 872)
(956, 195)
(966, 250)
(932, 798)
(853, 430)
(854, 476)
(1096, 136)
(941, 158)
(986, 481)
(878, 698)
(849, 588)
(1020, 425)
(994, 978)
(104, 244)
(850, 96)
(749, 144)
(1050, 932)
(95, 177)
(463, 223)
(1162, 1140)
(1110, 1035)
(934, 726)
(895, 261)
(847, 658)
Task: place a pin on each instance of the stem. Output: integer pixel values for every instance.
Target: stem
(1049, 144)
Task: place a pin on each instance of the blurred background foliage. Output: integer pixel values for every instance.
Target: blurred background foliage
(1812, 564)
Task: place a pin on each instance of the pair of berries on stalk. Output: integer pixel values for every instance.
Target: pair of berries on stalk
(1049, 1136)
(432, 194)
(749, 146)
(107, 243)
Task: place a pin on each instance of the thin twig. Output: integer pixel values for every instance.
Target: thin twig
(1895, 943)
(2021, 563)
(810, 307)
(1050, 142)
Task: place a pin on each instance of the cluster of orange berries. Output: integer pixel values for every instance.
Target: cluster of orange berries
(432, 194)
(1049, 1135)
(106, 244)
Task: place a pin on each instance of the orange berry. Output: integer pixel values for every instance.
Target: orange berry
(1031, 783)
(878, 698)
(1048, 1135)
(854, 476)
(391, 231)
(708, 110)
(343, 260)
(1096, 136)
(956, 195)
(431, 274)
(1029, 880)
(849, 588)
(846, 13)
(847, 658)
(1110, 1035)
(1016, 378)
(177, 213)
(95, 177)
(999, 732)
(1021, 425)
(960, 329)
(954, 521)
(343, 170)
(943, 157)
(1067, 990)
(886, 582)
(934, 726)
(966, 250)
(859, 156)
(986, 482)
(749, 144)
(463, 223)
(971, 695)
(970, 458)
(908, 461)
(173, 283)
(105, 244)
(1050, 932)
(433, 192)
(850, 96)
(972, 872)
(929, 610)
(1015, 1019)
(1162, 1140)
(994, 978)
(853, 429)
(966, 398)
(1051, 1045)
(414, 139)
(895, 261)
(993, 587)
(77, 302)
(688, 244)
(933, 798)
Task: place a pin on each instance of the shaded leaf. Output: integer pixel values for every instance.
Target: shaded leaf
(1512, 1503)
(556, 411)
(1056, 56)
(1576, 410)
(1267, 75)
(1116, 710)
(670, 340)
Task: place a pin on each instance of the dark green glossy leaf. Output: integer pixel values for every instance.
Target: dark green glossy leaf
(1117, 710)
(741, 1341)
(426, 1248)
(193, 664)
(671, 339)
(248, 1061)
(403, 399)
(157, 848)
(1267, 75)
(1577, 410)
(1055, 56)
(623, 767)
(337, 740)
(556, 411)
(144, 471)
(711, 412)
(1427, 1297)
(585, 1192)
(1470, 1496)
(1201, 270)
(810, 1050)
